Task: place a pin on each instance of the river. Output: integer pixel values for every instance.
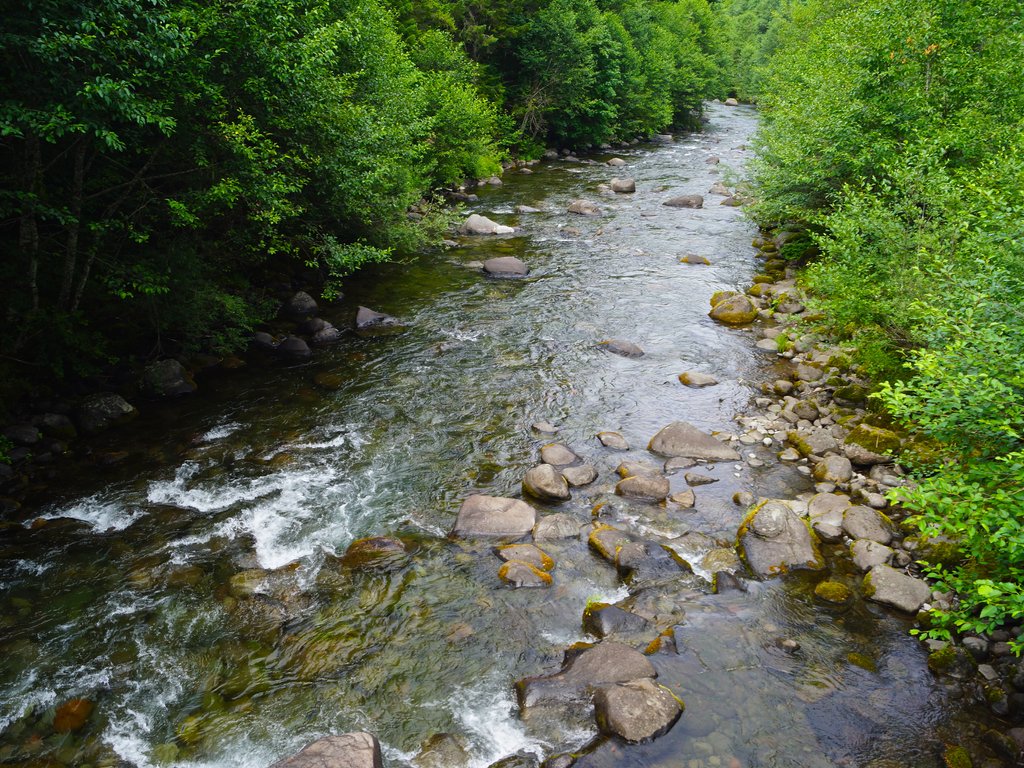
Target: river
(123, 595)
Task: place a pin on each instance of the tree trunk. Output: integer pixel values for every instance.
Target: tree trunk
(74, 225)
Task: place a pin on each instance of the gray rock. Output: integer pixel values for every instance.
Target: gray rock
(976, 646)
(527, 553)
(100, 412)
(607, 542)
(866, 554)
(300, 306)
(613, 440)
(607, 662)
(623, 186)
(718, 188)
(813, 442)
(368, 318)
(54, 425)
(584, 208)
(545, 427)
(622, 347)
(546, 483)
(23, 434)
(676, 463)
(696, 379)
(604, 620)
(328, 334)
(557, 526)
(864, 457)
(494, 516)
(442, 750)
(481, 225)
(645, 486)
(350, 750)
(685, 440)
(506, 266)
(685, 499)
(867, 523)
(828, 508)
(694, 479)
(731, 102)
(261, 340)
(558, 455)
(830, 534)
(891, 587)
(833, 469)
(636, 711)
(167, 378)
(527, 209)
(774, 540)
(685, 201)
(294, 348)
(518, 574)
(616, 162)
(581, 475)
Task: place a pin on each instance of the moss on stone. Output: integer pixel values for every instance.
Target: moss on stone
(862, 661)
(833, 592)
(875, 439)
(941, 660)
(956, 757)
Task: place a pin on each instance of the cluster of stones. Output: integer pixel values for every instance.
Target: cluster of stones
(817, 421)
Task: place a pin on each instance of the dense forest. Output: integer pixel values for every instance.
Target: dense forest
(160, 159)
(164, 161)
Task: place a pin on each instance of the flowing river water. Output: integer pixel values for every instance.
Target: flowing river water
(124, 596)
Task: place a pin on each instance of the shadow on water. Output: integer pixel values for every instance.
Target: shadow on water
(192, 591)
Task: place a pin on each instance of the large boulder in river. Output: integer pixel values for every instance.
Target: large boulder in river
(623, 186)
(734, 310)
(891, 587)
(350, 750)
(300, 306)
(607, 662)
(481, 225)
(506, 266)
(546, 483)
(685, 201)
(494, 517)
(167, 378)
(102, 411)
(773, 540)
(685, 440)
(636, 711)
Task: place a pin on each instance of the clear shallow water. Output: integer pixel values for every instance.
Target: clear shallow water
(124, 596)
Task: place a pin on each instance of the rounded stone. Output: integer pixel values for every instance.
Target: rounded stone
(546, 483)
(519, 574)
(636, 711)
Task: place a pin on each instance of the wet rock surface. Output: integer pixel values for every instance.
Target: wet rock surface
(350, 750)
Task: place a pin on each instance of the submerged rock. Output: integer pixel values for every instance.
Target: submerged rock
(891, 587)
(527, 553)
(442, 750)
(696, 379)
(494, 516)
(685, 201)
(581, 475)
(349, 750)
(557, 526)
(636, 711)
(584, 208)
(681, 439)
(773, 540)
(72, 715)
(622, 347)
(376, 552)
(517, 574)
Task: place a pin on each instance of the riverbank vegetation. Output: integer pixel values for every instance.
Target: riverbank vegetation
(164, 162)
(892, 135)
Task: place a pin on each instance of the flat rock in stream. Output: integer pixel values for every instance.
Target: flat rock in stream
(866, 523)
(685, 201)
(558, 455)
(828, 508)
(613, 440)
(636, 711)
(607, 662)
(506, 266)
(602, 620)
(645, 486)
(578, 476)
(621, 347)
(494, 516)
(546, 483)
(773, 540)
(557, 526)
(367, 318)
(866, 554)
(518, 574)
(685, 440)
(527, 553)
(697, 380)
(584, 208)
(349, 750)
(894, 588)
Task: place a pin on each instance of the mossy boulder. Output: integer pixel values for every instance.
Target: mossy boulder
(956, 757)
(834, 592)
(719, 296)
(736, 310)
(938, 550)
(773, 540)
(517, 574)
(875, 439)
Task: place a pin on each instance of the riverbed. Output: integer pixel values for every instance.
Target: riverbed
(191, 590)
